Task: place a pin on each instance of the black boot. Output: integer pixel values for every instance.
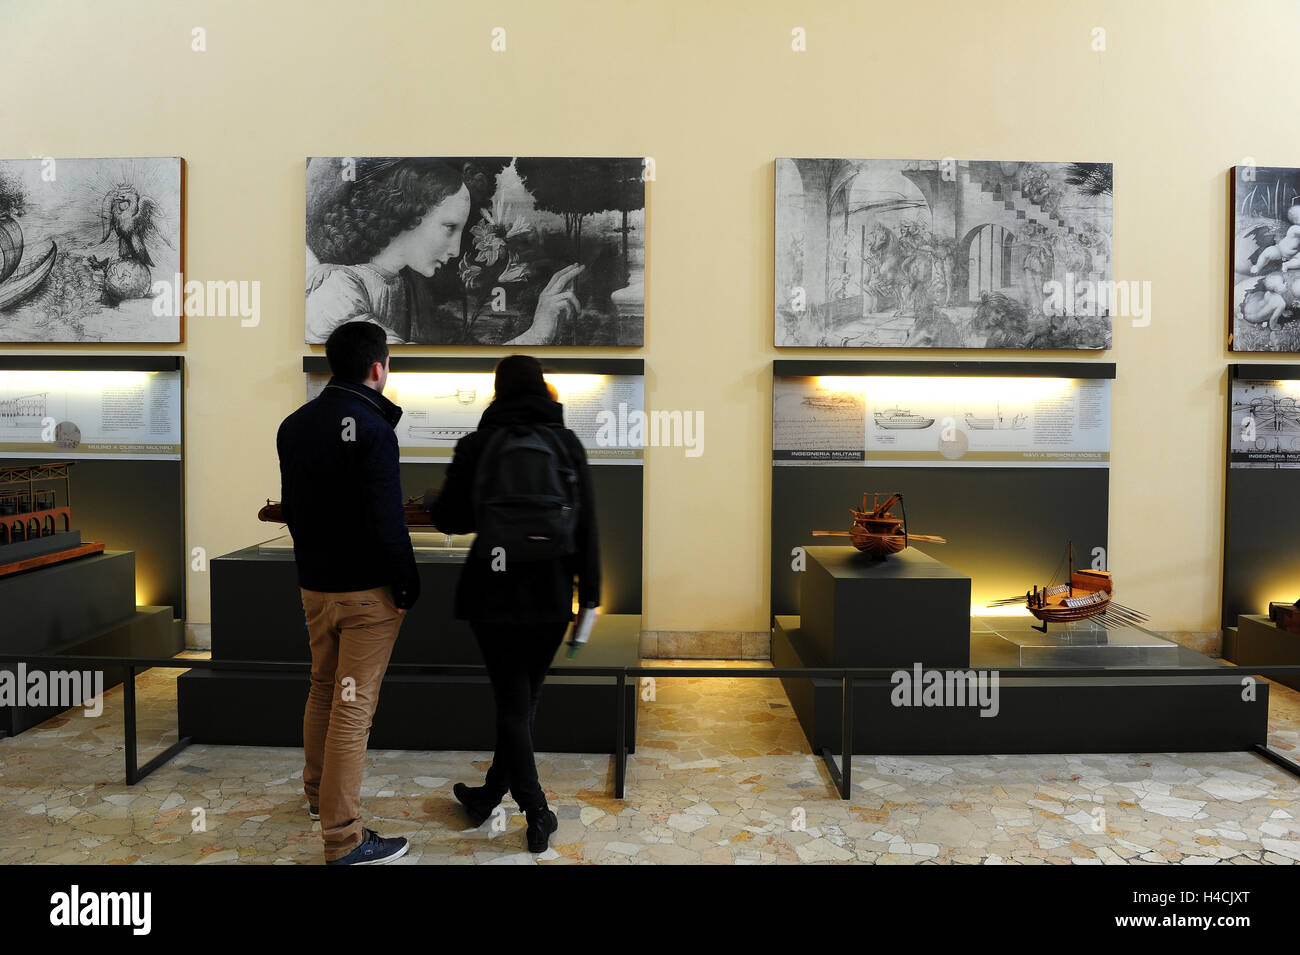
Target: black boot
(477, 800)
(541, 823)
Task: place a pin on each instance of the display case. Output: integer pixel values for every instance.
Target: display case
(257, 609)
(92, 555)
(1261, 568)
(1005, 468)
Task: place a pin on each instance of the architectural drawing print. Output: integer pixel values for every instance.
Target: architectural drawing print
(943, 254)
(82, 244)
(478, 250)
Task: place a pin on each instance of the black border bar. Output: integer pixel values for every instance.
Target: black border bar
(91, 362)
(1259, 371)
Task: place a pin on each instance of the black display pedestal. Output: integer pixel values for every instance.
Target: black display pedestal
(868, 613)
(1054, 714)
(257, 615)
(1258, 641)
(85, 606)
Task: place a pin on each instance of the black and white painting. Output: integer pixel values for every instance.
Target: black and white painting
(85, 246)
(478, 250)
(943, 254)
(1265, 259)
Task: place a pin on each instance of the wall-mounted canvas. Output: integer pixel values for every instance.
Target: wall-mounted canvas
(944, 253)
(1265, 259)
(85, 245)
(478, 250)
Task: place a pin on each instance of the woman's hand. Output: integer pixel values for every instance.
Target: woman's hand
(554, 302)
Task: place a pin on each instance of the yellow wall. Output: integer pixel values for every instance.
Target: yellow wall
(713, 92)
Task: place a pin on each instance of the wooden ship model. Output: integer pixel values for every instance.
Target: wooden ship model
(417, 515)
(877, 532)
(1086, 594)
(1285, 615)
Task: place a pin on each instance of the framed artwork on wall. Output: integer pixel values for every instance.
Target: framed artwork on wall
(944, 253)
(1265, 259)
(478, 250)
(86, 246)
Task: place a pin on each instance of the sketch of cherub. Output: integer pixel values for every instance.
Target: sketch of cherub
(1286, 250)
(1264, 306)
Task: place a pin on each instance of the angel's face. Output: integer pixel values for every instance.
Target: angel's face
(436, 240)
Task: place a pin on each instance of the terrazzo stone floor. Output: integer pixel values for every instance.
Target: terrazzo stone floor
(722, 774)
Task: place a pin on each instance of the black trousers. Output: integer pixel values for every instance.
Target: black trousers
(517, 658)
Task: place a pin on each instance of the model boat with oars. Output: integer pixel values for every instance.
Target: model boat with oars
(417, 515)
(877, 532)
(1085, 594)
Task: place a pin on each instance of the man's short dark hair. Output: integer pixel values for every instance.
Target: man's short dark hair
(353, 347)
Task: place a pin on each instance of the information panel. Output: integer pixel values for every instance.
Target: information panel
(606, 412)
(1265, 428)
(933, 421)
(125, 415)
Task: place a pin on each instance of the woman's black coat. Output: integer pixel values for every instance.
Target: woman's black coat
(526, 591)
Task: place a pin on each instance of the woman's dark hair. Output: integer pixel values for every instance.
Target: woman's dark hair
(351, 221)
(519, 375)
(353, 347)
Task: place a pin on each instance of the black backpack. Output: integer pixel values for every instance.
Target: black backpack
(525, 494)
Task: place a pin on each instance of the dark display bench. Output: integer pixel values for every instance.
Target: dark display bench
(84, 606)
(257, 615)
(1258, 641)
(1035, 714)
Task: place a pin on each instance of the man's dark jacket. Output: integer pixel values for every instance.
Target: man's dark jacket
(526, 591)
(341, 493)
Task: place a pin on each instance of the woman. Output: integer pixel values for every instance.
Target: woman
(368, 222)
(518, 604)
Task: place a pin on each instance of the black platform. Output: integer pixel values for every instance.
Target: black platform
(1258, 641)
(1062, 714)
(84, 606)
(257, 615)
(892, 612)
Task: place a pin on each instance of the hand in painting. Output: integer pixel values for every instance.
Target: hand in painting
(556, 301)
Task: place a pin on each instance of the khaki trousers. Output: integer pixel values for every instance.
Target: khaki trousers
(352, 636)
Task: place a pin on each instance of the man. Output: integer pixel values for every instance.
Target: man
(342, 499)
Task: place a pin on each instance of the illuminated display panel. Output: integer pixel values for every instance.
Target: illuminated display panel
(106, 415)
(607, 412)
(941, 421)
